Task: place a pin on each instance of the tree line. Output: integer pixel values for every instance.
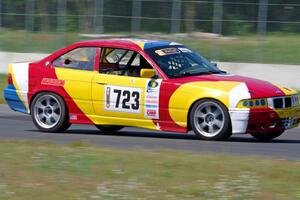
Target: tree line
(239, 16)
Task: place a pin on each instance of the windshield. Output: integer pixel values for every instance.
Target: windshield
(179, 61)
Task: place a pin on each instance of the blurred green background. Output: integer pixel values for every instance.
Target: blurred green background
(265, 31)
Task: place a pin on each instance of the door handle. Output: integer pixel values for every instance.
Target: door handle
(100, 83)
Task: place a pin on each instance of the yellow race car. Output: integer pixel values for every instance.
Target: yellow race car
(149, 84)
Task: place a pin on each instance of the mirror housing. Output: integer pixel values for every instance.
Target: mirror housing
(147, 73)
(67, 61)
(214, 64)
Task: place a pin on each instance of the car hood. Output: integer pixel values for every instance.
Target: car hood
(257, 88)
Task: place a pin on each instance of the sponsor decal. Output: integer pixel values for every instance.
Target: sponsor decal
(151, 87)
(151, 102)
(52, 82)
(167, 51)
(152, 98)
(151, 106)
(152, 84)
(172, 50)
(122, 99)
(151, 113)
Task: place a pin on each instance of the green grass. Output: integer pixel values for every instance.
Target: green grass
(79, 171)
(3, 84)
(272, 49)
(41, 42)
(275, 48)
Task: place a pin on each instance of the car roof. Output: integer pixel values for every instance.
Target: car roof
(140, 43)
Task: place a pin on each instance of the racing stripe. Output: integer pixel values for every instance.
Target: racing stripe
(147, 44)
(141, 44)
(37, 85)
(20, 77)
(239, 117)
(79, 90)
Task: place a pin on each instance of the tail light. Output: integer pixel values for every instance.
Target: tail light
(9, 79)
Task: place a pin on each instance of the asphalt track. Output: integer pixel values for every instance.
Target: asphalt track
(16, 126)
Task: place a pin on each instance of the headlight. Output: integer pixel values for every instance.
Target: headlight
(253, 103)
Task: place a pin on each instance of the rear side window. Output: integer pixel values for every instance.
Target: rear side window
(80, 58)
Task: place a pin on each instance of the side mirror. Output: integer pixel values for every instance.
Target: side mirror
(214, 64)
(147, 73)
(67, 61)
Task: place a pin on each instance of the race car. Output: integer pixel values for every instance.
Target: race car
(157, 85)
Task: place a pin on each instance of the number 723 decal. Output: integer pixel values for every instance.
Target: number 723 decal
(122, 99)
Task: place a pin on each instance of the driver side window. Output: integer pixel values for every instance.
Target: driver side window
(122, 62)
(79, 58)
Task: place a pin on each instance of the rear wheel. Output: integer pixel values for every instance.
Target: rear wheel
(210, 120)
(49, 113)
(267, 136)
(109, 129)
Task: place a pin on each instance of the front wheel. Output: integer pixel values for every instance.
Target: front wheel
(108, 128)
(49, 113)
(210, 120)
(267, 136)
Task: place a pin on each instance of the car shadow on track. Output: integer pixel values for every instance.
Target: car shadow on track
(167, 135)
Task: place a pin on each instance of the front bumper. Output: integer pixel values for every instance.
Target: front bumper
(264, 120)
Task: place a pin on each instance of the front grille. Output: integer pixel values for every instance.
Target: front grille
(282, 102)
(278, 103)
(288, 102)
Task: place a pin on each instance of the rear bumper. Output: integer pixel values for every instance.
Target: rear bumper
(13, 100)
(264, 120)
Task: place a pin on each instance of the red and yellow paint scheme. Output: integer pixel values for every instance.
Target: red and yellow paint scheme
(164, 103)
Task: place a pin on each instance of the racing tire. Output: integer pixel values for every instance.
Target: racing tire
(109, 128)
(210, 120)
(267, 136)
(49, 113)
